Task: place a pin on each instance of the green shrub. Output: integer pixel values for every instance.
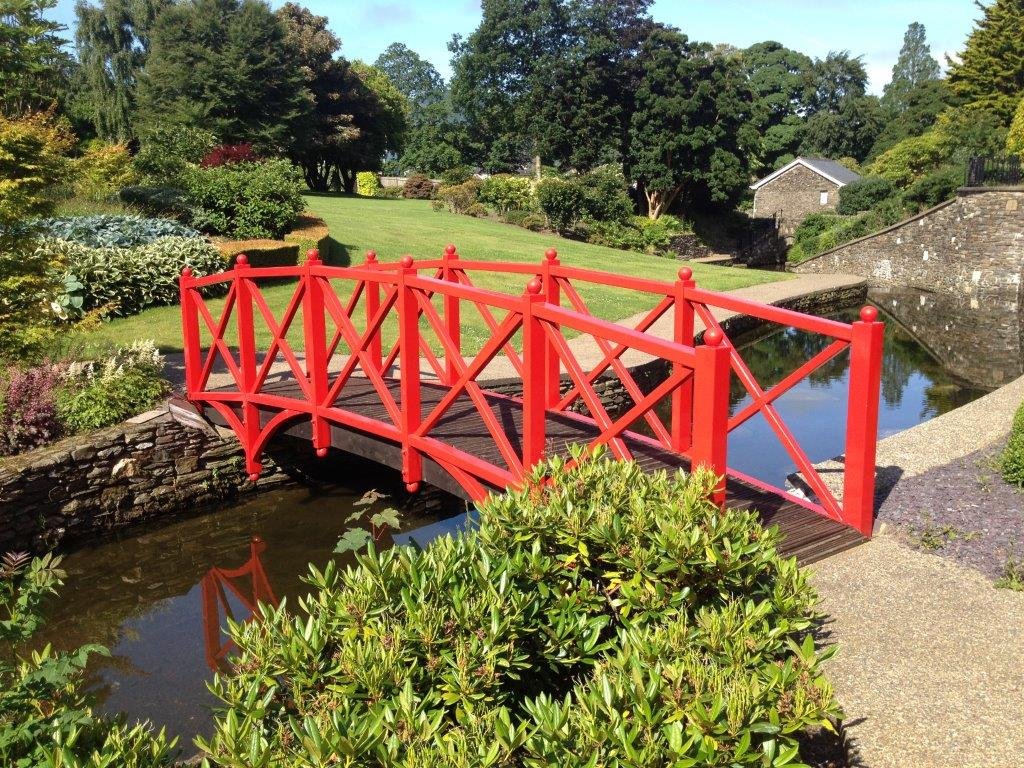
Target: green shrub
(864, 194)
(102, 171)
(505, 192)
(418, 187)
(157, 201)
(245, 200)
(97, 395)
(112, 231)
(600, 616)
(562, 201)
(1011, 462)
(45, 719)
(526, 219)
(638, 233)
(935, 187)
(478, 211)
(390, 193)
(32, 164)
(606, 196)
(124, 281)
(166, 153)
(460, 174)
(457, 198)
(368, 184)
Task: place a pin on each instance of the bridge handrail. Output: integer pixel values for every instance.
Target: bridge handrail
(545, 363)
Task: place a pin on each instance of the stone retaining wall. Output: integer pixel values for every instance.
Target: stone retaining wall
(971, 248)
(93, 484)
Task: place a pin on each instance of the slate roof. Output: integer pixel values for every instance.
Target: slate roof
(830, 169)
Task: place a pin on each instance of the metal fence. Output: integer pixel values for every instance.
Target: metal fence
(994, 172)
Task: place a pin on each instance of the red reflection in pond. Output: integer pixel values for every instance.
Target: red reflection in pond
(249, 584)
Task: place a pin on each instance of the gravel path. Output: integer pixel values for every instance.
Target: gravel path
(929, 666)
(962, 510)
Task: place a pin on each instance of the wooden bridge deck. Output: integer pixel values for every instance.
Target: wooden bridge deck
(805, 534)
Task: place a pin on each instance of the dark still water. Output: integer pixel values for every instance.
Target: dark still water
(915, 388)
(157, 599)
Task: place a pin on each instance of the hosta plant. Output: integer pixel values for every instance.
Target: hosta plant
(112, 231)
(599, 617)
(124, 281)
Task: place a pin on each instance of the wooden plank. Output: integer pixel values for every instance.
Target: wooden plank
(804, 534)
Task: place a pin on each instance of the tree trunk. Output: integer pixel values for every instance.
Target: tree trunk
(660, 200)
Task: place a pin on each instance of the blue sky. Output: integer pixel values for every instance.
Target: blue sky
(873, 28)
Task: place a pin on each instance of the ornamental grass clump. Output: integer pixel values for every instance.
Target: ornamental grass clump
(601, 616)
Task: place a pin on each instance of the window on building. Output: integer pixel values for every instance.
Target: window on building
(824, 197)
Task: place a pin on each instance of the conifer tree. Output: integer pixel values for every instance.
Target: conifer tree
(990, 72)
(914, 67)
(32, 63)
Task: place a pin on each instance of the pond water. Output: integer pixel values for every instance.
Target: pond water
(157, 597)
(915, 388)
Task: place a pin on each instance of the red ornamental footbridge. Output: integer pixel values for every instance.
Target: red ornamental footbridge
(370, 359)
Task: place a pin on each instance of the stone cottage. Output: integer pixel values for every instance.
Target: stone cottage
(803, 187)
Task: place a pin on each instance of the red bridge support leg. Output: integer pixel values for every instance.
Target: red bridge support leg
(535, 362)
(682, 396)
(314, 329)
(409, 362)
(711, 409)
(862, 421)
(247, 365)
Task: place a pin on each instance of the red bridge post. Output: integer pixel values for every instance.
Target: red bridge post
(314, 329)
(682, 396)
(190, 332)
(535, 360)
(452, 322)
(374, 348)
(862, 421)
(247, 364)
(711, 409)
(409, 364)
(552, 295)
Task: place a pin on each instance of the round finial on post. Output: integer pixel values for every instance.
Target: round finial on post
(186, 272)
(868, 314)
(254, 476)
(321, 453)
(312, 255)
(412, 487)
(449, 250)
(551, 254)
(713, 337)
(685, 273)
(241, 260)
(371, 257)
(533, 287)
(406, 261)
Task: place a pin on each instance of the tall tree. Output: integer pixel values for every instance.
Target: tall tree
(990, 71)
(411, 74)
(224, 65)
(914, 68)
(849, 131)
(835, 78)
(921, 106)
(689, 127)
(781, 81)
(33, 66)
(113, 42)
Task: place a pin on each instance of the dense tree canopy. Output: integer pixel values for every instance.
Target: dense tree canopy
(223, 65)
(113, 40)
(990, 71)
(686, 137)
(415, 77)
(33, 67)
(782, 83)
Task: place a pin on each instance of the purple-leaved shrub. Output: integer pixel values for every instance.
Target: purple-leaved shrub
(28, 408)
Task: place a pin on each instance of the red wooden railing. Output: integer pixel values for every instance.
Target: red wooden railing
(344, 310)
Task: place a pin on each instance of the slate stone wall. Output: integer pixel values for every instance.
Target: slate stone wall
(797, 193)
(136, 471)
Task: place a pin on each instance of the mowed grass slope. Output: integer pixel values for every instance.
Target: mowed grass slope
(396, 227)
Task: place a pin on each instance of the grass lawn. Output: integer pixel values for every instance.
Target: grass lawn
(396, 227)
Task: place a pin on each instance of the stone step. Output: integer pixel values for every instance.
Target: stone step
(718, 259)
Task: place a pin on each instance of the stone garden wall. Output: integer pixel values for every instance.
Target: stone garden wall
(92, 484)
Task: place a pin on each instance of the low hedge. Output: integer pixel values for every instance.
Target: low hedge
(310, 232)
(600, 616)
